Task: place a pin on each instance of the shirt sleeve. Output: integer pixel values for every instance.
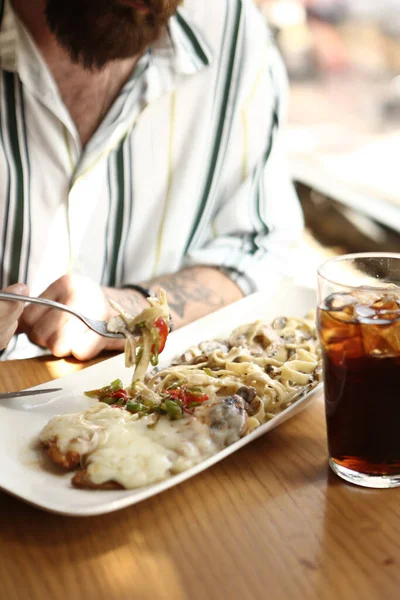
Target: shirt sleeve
(257, 221)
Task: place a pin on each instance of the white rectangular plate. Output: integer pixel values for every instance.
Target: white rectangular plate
(25, 471)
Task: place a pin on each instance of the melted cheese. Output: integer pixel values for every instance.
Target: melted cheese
(82, 432)
(134, 452)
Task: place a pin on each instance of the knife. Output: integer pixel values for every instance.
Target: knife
(27, 393)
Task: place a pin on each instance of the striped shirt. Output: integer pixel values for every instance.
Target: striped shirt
(185, 169)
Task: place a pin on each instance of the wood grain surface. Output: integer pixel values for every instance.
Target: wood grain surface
(270, 521)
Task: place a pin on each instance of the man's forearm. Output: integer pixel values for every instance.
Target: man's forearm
(191, 293)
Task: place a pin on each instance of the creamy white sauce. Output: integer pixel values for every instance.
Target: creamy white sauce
(131, 459)
(122, 448)
(81, 432)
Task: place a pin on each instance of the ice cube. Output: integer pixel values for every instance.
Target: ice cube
(340, 338)
(374, 342)
(339, 302)
(340, 308)
(341, 351)
(386, 303)
(366, 295)
(393, 288)
(390, 295)
(391, 335)
(381, 339)
(366, 313)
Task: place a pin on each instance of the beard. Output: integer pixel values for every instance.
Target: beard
(96, 32)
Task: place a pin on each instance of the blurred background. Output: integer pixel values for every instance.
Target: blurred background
(343, 131)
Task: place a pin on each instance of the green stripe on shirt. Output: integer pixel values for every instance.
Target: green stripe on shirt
(18, 229)
(260, 192)
(129, 195)
(221, 122)
(25, 154)
(104, 279)
(193, 39)
(3, 271)
(119, 216)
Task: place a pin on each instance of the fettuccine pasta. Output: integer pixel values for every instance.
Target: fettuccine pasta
(276, 362)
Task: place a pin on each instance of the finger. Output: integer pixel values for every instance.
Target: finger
(18, 288)
(90, 345)
(36, 312)
(62, 340)
(30, 317)
(51, 326)
(10, 308)
(7, 335)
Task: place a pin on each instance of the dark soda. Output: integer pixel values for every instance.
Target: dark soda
(360, 343)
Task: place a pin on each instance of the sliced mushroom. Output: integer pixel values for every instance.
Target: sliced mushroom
(210, 345)
(256, 337)
(227, 420)
(255, 407)
(183, 358)
(197, 360)
(279, 323)
(247, 393)
(198, 354)
(266, 336)
(277, 351)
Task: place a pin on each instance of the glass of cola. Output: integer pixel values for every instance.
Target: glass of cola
(359, 332)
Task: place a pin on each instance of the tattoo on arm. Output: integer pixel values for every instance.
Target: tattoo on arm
(184, 287)
(131, 301)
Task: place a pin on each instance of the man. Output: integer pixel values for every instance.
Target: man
(138, 145)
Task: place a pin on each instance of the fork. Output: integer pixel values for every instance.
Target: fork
(99, 327)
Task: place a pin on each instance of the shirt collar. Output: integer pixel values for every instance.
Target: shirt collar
(181, 50)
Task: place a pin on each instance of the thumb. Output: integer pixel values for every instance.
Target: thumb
(18, 288)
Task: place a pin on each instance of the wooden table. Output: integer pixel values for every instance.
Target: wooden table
(270, 521)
